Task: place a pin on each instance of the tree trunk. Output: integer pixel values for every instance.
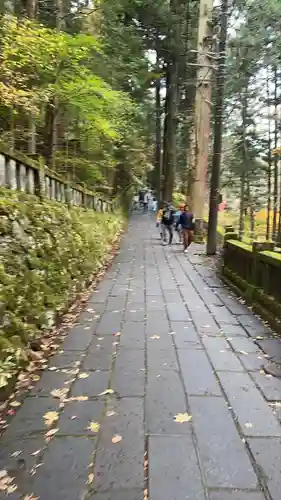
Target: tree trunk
(269, 163)
(172, 101)
(275, 180)
(157, 168)
(200, 136)
(217, 146)
(165, 139)
(244, 164)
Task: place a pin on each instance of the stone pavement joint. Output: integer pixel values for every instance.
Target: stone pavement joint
(160, 336)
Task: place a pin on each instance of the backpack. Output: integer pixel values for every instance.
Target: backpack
(167, 216)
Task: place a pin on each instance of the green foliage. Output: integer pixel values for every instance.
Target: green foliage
(47, 254)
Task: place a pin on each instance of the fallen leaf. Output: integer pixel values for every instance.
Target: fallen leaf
(110, 413)
(243, 352)
(259, 337)
(107, 391)
(77, 398)
(117, 334)
(73, 417)
(31, 497)
(15, 404)
(16, 454)
(90, 478)
(50, 417)
(51, 433)
(180, 418)
(59, 393)
(93, 427)
(3, 473)
(155, 337)
(116, 439)
(11, 489)
(35, 453)
(83, 375)
(248, 425)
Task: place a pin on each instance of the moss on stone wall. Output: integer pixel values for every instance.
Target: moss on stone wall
(47, 254)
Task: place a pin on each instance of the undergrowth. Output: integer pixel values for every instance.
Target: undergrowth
(48, 253)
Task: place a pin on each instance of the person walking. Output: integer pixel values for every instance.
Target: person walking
(168, 221)
(187, 224)
(178, 228)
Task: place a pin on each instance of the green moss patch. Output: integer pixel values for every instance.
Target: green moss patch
(47, 254)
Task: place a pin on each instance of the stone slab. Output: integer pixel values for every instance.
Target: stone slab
(221, 356)
(29, 418)
(78, 338)
(174, 472)
(110, 323)
(69, 457)
(99, 360)
(271, 347)
(77, 415)
(119, 495)
(269, 386)
(233, 331)
(205, 324)
(222, 315)
(135, 311)
(267, 455)
(160, 359)
(252, 411)
(243, 344)
(197, 374)
(66, 359)
(95, 384)
(164, 399)
(133, 335)
(252, 362)
(236, 495)
(177, 311)
(129, 373)
(120, 466)
(51, 380)
(186, 336)
(225, 461)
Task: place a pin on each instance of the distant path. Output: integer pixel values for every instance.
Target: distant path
(170, 339)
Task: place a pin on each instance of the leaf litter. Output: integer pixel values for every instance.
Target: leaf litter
(94, 427)
(181, 418)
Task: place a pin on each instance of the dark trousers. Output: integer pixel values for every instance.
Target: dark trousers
(169, 228)
(187, 237)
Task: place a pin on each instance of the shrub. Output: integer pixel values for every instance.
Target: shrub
(47, 254)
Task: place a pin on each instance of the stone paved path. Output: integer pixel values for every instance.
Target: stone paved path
(170, 339)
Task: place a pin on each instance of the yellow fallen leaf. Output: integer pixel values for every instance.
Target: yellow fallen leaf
(50, 417)
(116, 439)
(83, 375)
(155, 337)
(11, 489)
(181, 418)
(94, 427)
(90, 478)
(107, 391)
